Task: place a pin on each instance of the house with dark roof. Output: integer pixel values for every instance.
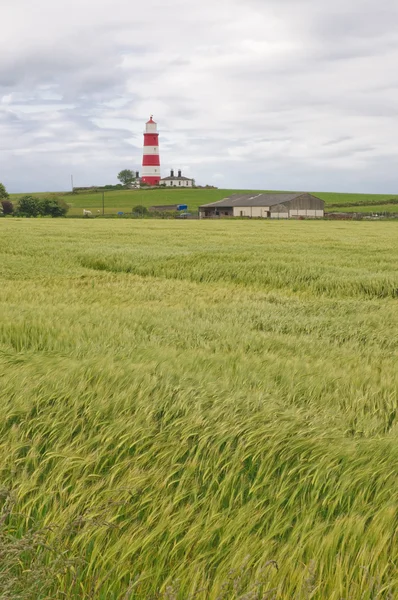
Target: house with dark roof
(266, 206)
(177, 181)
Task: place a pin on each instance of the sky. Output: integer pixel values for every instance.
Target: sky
(250, 94)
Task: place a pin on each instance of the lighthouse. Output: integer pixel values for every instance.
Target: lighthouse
(151, 159)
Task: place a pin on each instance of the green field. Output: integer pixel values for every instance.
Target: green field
(125, 200)
(183, 402)
(341, 200)
(371, 208)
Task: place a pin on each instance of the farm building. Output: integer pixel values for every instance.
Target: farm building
(178, 181)
(271, 206)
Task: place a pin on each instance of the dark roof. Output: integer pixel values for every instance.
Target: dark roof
(165, 207)
(169, 177)
(254, 200)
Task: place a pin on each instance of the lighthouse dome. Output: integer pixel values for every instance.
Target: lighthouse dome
(151, 126)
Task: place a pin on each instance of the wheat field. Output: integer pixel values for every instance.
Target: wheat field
(198, 410)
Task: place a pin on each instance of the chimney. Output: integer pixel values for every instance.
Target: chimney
(137, 174)
(172, 173)
(179, 173)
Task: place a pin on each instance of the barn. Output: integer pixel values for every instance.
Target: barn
(266, 206)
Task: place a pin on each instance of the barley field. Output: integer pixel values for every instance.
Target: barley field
(195, 409)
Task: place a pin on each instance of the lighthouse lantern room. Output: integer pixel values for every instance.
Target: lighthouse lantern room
(151, 158)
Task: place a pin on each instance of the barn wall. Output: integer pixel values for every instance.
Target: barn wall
(215, 212)
(279, 215)
(309, 213)
(245, 210)
(257, 212)
(306, 202)
(279, 208)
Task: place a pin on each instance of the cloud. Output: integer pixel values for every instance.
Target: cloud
(274, 94)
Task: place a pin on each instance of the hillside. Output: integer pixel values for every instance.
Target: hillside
(124, 201)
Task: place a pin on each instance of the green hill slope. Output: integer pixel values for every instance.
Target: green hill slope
(126, 200)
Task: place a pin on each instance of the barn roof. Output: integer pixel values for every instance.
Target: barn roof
(254, 200)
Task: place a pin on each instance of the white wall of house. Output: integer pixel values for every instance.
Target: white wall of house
(178, 182)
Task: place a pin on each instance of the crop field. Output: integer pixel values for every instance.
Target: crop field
(126, 200)
(195, 409)
(372, 208)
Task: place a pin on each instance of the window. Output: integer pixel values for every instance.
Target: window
(179, 183)
(186, 183)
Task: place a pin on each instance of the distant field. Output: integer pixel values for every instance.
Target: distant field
(183, 403)
(344, 199)
(125, 200)
(370, 208)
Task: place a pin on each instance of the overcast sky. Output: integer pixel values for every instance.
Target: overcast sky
(267, 94)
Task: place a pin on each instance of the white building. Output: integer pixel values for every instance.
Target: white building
(178, 181)
(266, 206)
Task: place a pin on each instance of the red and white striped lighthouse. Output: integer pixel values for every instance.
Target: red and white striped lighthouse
(151, 159)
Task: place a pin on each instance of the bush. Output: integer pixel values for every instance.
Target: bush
(117, 186)
(54, 207)
(29, 206)
(140, 210)
(8, 207)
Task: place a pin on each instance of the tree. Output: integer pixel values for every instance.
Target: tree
(29, 206)
(140, 210)
(8, 207)
(54, 207)
(3, 192)
(126, 176)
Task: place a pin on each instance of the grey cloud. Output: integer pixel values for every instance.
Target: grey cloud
(263, 93)
(339, 140)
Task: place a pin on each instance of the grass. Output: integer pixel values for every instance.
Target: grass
(125, 200)
(340, 199)
(371, 208)
(184, 402)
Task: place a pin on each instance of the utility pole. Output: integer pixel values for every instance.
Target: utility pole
(103, 203)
